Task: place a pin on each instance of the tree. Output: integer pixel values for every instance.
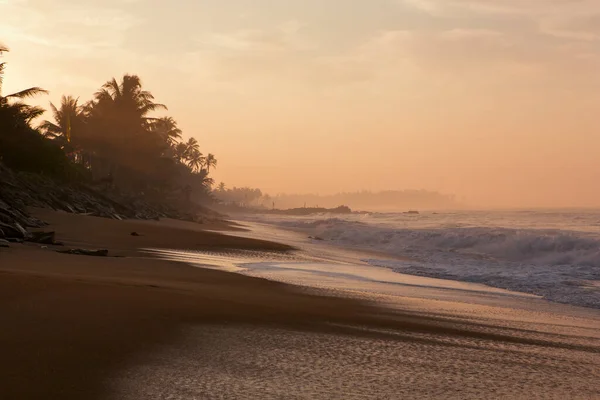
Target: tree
(180, 152)
(196, 161)
(221, 188)
(13, 104)
(193, 156)
(167, 128)
(122, 135)
(115, 134)
(21, 146)
(192, 146)
(68, 121)
(210, 161)
(203, 178)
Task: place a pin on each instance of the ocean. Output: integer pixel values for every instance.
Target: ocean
(554, 254)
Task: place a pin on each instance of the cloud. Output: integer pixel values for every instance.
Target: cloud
(569, 19)
(65, 27)
(581, 27)
(281, 52)
(506, 7)
(286, 37)
(438, 48)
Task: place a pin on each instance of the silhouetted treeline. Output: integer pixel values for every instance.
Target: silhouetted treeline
(114, 138)
(391, 200)
(243, 197)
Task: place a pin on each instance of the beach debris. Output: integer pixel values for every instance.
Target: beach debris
(14, 230)
(42, 238)
(4, 243)
(84, 252)
(316, 238)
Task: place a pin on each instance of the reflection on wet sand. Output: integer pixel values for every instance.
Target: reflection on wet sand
(443, 339)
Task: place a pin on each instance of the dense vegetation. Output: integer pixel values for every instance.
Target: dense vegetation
(243, 197)
(115, 138)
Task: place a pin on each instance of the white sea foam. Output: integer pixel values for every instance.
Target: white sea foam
(526, 252)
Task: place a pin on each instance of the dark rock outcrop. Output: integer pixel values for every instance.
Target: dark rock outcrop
(21, 190)
(312, 210)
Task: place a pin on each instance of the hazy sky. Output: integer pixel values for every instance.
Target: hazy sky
(494, 100)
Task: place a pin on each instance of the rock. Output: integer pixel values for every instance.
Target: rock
(19, 190)
(41, 237)
(83, 252)
(135, 234)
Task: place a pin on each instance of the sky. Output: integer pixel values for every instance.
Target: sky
(496, 101)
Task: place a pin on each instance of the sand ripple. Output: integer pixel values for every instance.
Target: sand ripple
(221, 362)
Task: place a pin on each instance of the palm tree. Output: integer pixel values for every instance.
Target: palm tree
(192, 145)
(129, 97)
(221, 188)
(67, 117)
(203, 179)
(166, 128)
(2, 66)
(210, 161)
(196, 160)
(13, 104)
(120, 128)
(193, 156)
(181, 150)
(122, 110)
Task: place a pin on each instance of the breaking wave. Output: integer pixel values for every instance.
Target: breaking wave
(559, 265)
(547, 247)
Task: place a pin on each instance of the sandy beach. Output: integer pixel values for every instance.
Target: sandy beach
(135, 326)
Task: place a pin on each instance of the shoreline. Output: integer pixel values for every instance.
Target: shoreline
(71, 322)
(438, 254)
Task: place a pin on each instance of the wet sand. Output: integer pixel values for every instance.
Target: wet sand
(138, 327)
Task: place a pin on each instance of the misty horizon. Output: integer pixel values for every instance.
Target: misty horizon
(364, 200)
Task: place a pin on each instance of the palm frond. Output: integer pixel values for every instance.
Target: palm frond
(145, 95)
(112, 87)
(25, 111)
(33, 113)
(55, 112)
(151, 107)
(50, 127)
(31, 92)
(2, 66)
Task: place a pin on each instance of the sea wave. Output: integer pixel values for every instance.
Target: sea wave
(560, 265)
(546, 247)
